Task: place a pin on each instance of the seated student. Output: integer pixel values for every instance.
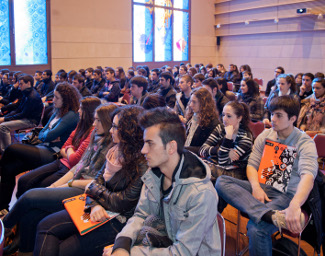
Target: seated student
(230, 143)
(166, 90)
(78, 81)
(247, 74)
(232, 75)
(12, 99)
(277, 203)
(35, 204)
(202, 118)
(250, 96)
(116, 188)
(221, 100)
(306, 88)
(120, 76)
(177, 192)
(18, 158)
(192, 71)
(27, 115)
(154, 80)
(312, 114)
(70, 153)
(197, 80)
(285, 86)
(5, 86)
(138, 90)
(298, 80)
(89, 77)
(38, 80)
(111, 90)
(98, 82)
(271, 85)
(47, 84)
(183, 97)
(221, 70)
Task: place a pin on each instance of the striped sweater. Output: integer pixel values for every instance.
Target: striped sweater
(218, 147)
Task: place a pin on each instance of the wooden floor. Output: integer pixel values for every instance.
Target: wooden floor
(230, 214)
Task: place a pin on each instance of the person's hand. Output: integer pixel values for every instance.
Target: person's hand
(183, 120)
(292, 216)
(302, 90)
(260, 195)
(107, 251)
(1, 97)
(2, 119)
(267, 122)
(105, 93)
(98, 213)
(233, 155)
(229, 131)
(44, 99)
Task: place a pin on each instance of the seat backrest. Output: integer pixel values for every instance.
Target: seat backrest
(2, 237)
(319, 140)
(222, 230)
(256, 128)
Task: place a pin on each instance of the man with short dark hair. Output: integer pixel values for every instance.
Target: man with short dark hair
(138, 89)
(279, 179)
(28, 113)
(89, 77)
(153, 86)
(221, 100)
(306, 88)
(111, 89)
(48, 85)
(78, 81)
(177, 195)
(98, 82)
(166, 89)
(183, 97)
(38, 79)
(271, 85)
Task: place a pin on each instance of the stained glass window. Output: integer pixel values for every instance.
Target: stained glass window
(4, 33)
(163, 34)
(30, 32)
(181, 35)
(161, 30)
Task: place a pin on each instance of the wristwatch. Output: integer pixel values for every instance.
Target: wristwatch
(70, 183)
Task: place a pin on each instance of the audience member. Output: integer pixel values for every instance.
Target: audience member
(306, 88)
(202, 118)
(89, 77)
(192, 71)
(277, 203)
(18, 158)
(153, 100)
(111, 90)
(166, 89)
(197, 80)
(286, 86)
(183, 97)
(171, 184)
(250, 96)
(312, 114)
(211, 85)
(98, 82)
(298, 80)
(78, 81)
(232, 75)
(138, 90)
(153, 86)
(271, 85)
(120, 76)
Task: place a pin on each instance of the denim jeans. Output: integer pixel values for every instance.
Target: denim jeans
(238, 193)
(32, 207)
(57, 235)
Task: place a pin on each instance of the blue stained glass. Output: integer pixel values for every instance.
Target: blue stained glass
(181, 4)
(143, 1)
(181, 35)
(30, 32)
(165, 3)
(4, 33)
(142, 33)
(163, 34)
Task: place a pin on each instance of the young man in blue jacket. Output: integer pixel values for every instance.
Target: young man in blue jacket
(27, 115)
(177, 189)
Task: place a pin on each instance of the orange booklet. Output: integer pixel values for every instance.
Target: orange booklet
(276, 165)
(75, 207)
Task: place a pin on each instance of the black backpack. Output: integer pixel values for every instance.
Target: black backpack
(286, 247)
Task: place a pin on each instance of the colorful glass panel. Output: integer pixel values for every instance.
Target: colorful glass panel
(165, 3)
(4, 33)
(181, 4)
(181, 35)
(143, 1)
(30, 32)
(163, 34)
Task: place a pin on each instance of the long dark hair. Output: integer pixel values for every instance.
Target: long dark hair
(131, 139)
(241, 110)
(85, 125)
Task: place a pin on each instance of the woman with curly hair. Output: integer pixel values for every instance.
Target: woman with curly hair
(116, 188)
(230, 143)
(37, 203)
(18, 158)
(202, 118)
